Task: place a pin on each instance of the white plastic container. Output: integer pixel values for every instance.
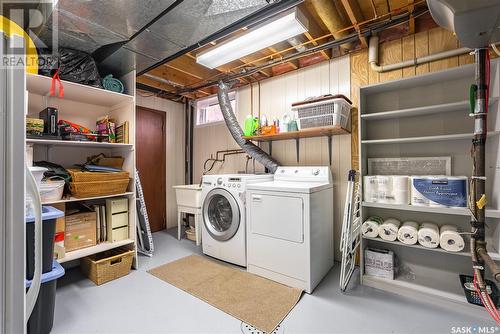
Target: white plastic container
(188, 195)
(51, 190)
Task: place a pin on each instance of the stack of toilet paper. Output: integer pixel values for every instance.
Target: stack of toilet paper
(426, 234)
(439, 191)
(387, 189)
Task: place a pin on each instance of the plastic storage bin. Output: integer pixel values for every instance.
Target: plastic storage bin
(42, 318)
(49, 216)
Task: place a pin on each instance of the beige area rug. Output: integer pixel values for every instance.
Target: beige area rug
(257, 301)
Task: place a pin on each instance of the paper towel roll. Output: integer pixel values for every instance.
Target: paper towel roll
(450, 240)
(428, 235)
(388, 230)
(408, 233)
(370, 227)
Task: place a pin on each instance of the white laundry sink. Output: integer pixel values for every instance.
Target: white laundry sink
(188, 195)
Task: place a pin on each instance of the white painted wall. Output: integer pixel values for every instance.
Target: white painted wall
(276, 96)
(175, 146)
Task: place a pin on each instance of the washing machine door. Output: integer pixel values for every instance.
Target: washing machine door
(221, 214)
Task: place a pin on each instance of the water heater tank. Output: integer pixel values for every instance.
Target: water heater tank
(476, 23)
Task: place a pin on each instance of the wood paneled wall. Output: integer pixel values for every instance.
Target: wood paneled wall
(417, 45)
(275, 99)
(175, 146)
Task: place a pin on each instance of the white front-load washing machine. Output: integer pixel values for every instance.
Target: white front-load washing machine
(224, 215)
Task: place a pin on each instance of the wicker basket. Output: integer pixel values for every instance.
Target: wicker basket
(101, 188)
(79, 176)
(107, 266)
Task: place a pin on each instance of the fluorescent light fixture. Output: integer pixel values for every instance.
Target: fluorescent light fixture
(281, 28)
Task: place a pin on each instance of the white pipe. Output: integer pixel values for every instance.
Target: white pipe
(373, 57)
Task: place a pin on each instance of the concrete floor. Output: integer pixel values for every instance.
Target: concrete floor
(141, 303)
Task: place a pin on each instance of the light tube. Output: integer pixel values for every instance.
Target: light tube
(283, 27)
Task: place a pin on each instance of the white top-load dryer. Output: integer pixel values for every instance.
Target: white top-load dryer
(290, 226)
(223, 211)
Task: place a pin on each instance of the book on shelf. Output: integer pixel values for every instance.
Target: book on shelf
(122, 133)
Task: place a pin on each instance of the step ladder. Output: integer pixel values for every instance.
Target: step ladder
(144, 237)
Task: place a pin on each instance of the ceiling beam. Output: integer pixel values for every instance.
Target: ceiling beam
(160, 85)
(355, 16)
(314, 30)
(328, 13)
(189, 66)
(175, 76)
(411, 21)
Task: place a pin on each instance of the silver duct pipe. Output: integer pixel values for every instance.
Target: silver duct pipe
(234, 128)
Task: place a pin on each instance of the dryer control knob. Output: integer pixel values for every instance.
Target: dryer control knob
(315, 172)
(219, 181)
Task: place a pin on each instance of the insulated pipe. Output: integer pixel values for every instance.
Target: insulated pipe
(237, 133)
(373, 57)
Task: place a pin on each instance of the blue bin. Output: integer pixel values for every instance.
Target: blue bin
(49, 216)
(42, 318)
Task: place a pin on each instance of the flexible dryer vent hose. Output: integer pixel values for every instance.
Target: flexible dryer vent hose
(237, 133)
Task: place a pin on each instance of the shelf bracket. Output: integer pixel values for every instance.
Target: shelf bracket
(330, 149)
(297, 148)
(271, 148)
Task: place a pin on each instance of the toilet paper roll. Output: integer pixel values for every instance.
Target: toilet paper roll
(370, 188)
(388, 230)
(450, 240)
(400, 183)
(428, 235)
(370, 227)
(408, 233)
(384, 183)
(417, 198)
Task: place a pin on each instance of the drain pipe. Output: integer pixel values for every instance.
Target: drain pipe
(234, 128)
(373, 57)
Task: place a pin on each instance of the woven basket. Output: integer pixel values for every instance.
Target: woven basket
(94, 189)
(107, 266)
(79, 176)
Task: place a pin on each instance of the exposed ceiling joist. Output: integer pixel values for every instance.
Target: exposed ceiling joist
(355, 16)
(333, 20)
(315, 30)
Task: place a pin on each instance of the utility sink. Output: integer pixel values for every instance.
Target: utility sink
(188, 195)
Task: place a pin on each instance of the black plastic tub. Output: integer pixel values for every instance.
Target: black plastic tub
(49, 216)
(42, 318)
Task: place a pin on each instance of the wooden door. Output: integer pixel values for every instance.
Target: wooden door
(150, 161)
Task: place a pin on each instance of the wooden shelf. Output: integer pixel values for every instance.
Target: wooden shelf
(460, 136)
(490, 213)
(49, 142)
(307, 133)
(420, 111)
(40, 85)
(79, 253)
(74, 199)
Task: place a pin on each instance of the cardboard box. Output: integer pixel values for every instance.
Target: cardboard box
(81, 229)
